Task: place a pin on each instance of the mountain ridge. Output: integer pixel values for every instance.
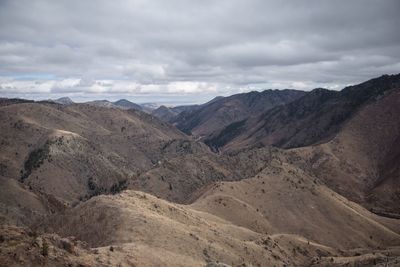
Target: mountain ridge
(299, 123)
(211, 117)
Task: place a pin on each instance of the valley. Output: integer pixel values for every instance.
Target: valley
(272, 178)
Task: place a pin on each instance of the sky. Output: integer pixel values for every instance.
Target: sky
(183, 51)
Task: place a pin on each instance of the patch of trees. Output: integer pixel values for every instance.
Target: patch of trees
(35, 160)
(95, 189)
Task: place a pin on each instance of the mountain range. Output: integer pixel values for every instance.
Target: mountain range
(271, 178)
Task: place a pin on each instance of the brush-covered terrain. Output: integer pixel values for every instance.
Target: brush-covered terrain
(299, 179)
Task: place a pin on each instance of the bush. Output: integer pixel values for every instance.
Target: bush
(45, 249)
(94, 189)
(118, 187)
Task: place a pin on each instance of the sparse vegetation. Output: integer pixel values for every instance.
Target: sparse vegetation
(94, 188)
(248, 207)
(91, 184)
(118, 187)
(3, 169)
(35, 160)
(45, 248)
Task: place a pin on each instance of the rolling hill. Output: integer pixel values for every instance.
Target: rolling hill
(67, 154)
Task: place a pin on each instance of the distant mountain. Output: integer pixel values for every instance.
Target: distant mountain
(64, 101)
(121, 104)
(164, 113)
(186, 108)
(126, 104)
(210, 118)
(168, 114)
(152, 107)
(149, 107)
(313, 118)
(101, 103)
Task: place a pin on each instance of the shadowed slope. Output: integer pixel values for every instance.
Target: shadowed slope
(362, 161)
(314, 118)
(217, 114)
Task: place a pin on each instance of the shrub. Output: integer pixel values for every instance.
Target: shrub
(94, 189)
(118, 187)
(45, 249)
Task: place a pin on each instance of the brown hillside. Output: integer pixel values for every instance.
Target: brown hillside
(71, 153)
(225, 226)
(362, 161)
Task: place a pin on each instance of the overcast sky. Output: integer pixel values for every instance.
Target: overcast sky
(190, 51)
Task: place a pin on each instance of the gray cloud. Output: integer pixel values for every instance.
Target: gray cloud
(88, 49)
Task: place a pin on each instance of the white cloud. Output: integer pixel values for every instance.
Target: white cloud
(192, 47)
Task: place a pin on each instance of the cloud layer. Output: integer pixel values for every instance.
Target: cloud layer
(88, 49)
